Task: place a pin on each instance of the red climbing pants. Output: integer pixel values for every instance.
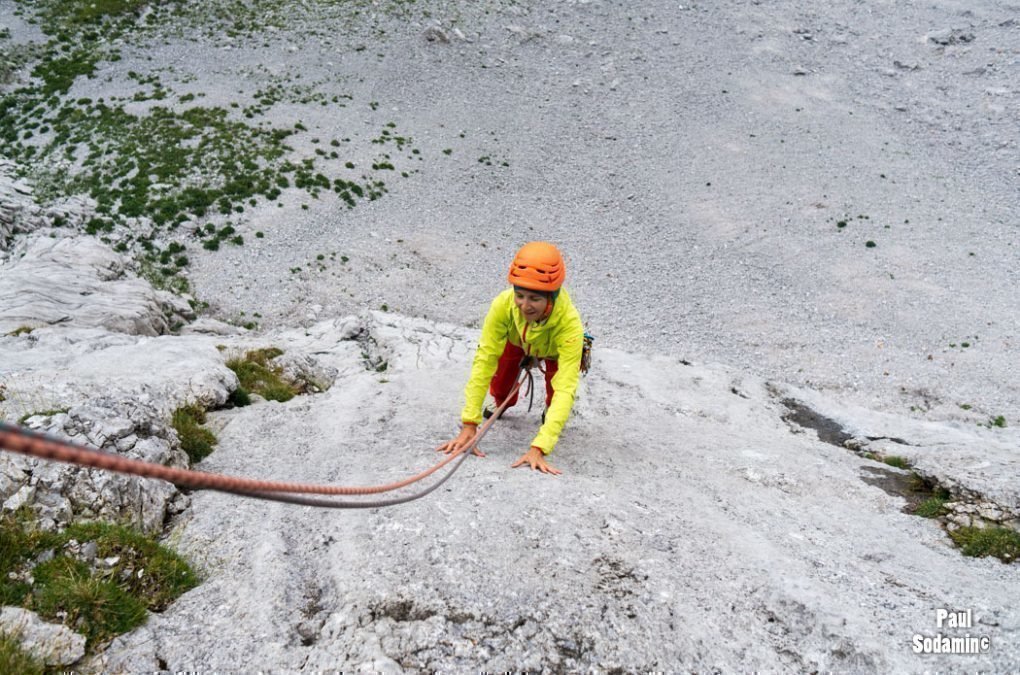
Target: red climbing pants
(507, 371)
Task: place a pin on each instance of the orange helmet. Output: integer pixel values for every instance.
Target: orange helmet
(538, 266)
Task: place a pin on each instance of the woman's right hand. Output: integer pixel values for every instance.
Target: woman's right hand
(467, 434)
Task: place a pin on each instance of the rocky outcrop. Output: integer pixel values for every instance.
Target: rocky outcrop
(84, 360)
(60, 493)
(75, 281)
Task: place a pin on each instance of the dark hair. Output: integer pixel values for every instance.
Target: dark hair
(550, 295)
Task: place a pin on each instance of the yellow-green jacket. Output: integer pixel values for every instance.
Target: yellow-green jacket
(560, 336)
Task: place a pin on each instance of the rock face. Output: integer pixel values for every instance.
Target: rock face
(79, 281)
(92, 370)
(60, 493)
(693, 528)
(117, 393)
(53, 644)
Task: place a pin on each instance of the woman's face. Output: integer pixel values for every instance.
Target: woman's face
(531, 304)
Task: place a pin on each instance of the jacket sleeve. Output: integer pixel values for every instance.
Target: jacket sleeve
(570, 341)
(490, 347)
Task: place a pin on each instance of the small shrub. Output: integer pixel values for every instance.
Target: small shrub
(1001, 542)
(239, 398)
(195, 441)
(999, 421)
(21, 330)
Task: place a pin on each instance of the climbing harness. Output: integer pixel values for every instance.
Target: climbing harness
(25, 442)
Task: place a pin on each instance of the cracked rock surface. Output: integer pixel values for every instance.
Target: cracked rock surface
(690, 529)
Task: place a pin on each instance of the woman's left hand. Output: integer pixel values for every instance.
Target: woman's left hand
(536, 458)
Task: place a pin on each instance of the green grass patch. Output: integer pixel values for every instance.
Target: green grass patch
(1000, 542)
(145, 569)
(14, 660)
(20, 330)
(932, 507)
(897, 461)
(46, 413)
(196, 441)
(92, 597)
(257, 376)
(99, 609)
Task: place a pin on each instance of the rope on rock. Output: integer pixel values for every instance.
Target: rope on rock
(15, 439)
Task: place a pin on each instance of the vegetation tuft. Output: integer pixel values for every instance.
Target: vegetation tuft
(14, 660)
(897, 461)
(196, 441)
(97, 608)
(45, 413)
(934, 506)
(100, 595)
(258, 376)
(1000, 542)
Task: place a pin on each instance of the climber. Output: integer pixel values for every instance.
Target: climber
(535, 318)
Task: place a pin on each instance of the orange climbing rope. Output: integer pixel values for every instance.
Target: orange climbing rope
(16, 439)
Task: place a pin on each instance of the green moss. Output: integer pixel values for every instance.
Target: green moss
(59, 73)
(999, 542)
(168, 165)
(72, 13)
(18, 541)
(196, 441)
(21, 330)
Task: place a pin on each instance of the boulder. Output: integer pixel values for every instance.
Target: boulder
(53, 644)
